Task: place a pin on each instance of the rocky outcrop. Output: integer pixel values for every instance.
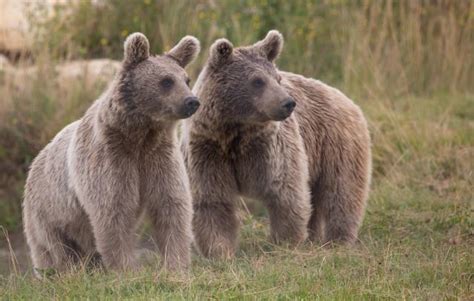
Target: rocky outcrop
(15, 29)
(87, 71)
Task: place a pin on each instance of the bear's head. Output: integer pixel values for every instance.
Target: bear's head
(243, 83)
(157, 86)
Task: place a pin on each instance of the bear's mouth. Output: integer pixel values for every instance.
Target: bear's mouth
(186, 112)
(282, 115)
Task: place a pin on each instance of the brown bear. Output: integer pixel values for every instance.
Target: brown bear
(88, 188)
(311, 168)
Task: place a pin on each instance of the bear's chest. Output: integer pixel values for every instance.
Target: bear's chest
(256, 165)
(155, 169)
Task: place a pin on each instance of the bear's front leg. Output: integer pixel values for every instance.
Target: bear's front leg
(213, 186)
(171, 213)
(216, 228)
(114, 232)
(279, 177)
(289, 214)
(165, 191)
(109, 194)
(289, 209)
(172, 231)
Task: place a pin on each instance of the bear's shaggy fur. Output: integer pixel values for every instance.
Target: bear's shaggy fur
(87, 189)
(311, 169)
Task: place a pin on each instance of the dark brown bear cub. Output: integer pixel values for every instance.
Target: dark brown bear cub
(311, 167)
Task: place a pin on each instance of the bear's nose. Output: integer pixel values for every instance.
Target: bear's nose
(289, 104)
(191, 103)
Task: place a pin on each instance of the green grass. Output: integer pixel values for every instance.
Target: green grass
(405, 253)
(416, 241)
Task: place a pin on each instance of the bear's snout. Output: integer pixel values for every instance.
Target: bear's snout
(286, 108)
(289, 105)
(191, 104)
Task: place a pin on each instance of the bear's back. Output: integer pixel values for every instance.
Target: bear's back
(323, 113)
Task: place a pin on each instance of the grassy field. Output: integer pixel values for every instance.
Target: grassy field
(408, 64)
(416, 240)
(416, 243)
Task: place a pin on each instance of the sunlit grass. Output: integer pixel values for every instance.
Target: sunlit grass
(404, 251)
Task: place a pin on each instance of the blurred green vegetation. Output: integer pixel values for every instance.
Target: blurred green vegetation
(388, 47)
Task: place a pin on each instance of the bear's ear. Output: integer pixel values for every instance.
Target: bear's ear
(271, 46)
(220, 52)
(185, 51)
(136, 48)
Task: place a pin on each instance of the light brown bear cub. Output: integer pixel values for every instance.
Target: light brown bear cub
(311, 169)
(87, 189)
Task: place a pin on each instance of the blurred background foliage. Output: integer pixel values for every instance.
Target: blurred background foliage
(400, 60)
(388, 47)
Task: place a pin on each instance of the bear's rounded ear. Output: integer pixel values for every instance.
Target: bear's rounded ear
(271, 46)
(136, 48)
(220, 52)
(185, 51)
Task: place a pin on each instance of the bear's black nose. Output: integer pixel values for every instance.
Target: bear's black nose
(289, 104)
(191, 103)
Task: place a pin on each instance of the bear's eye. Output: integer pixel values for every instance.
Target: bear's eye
(167, 82)
(188, 81)
(258, 82)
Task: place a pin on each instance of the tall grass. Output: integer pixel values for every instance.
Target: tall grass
(383, 47)
(376, 51)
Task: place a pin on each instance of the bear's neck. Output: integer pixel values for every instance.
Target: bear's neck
(229, 134)
(208, 122)
(116, 122)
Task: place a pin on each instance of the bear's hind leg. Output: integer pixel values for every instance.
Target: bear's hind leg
(341, 201)
(54, 252)
(41, 257)
(342, 223)
(64, 251)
